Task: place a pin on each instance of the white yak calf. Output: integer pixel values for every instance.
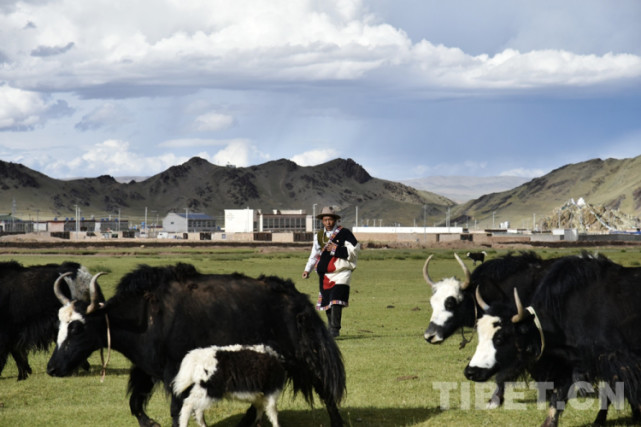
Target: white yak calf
(250, 373)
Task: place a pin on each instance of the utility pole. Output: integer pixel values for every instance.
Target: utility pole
(314, 218)
(77, 222)
(356, 221)
(533, 221)
(425, 223)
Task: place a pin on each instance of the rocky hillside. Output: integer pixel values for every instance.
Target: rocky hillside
(609, 186)
(200, 186)
(610, 190)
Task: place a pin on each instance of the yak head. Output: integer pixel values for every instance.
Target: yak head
(507, 343)
(78, 333)
(452, 306)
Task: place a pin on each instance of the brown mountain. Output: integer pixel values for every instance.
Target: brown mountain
(612, 187)
(200, 186)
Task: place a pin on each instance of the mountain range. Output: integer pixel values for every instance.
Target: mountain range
(199, 186)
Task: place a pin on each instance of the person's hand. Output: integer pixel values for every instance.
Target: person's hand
(305, 274)
(331, 247)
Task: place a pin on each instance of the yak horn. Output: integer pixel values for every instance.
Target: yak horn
(480, 300)
(92, 293)
(426, 275)
(56, 289)
(466, 271)
(520, 313)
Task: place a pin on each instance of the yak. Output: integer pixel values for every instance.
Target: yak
(477, 256)
(29, 308)
(456, 304)
(583, 322)
(249, 373)
(159, 314)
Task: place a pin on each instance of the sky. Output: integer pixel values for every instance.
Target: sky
(405, 88)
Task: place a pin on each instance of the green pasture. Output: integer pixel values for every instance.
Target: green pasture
(394, 378)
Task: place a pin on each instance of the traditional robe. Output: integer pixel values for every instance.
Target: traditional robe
(334, 268)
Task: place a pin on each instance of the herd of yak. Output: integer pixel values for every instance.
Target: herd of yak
(571, 322)
(564, 321)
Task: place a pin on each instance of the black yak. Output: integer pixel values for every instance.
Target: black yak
(159, 314)
(29, 308)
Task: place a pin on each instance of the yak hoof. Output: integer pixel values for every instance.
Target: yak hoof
(549, 422)
(147, 422)
(493, 403)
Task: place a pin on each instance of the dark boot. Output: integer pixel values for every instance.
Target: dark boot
(334, 315)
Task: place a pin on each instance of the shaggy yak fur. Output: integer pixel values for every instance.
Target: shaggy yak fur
(159, 314)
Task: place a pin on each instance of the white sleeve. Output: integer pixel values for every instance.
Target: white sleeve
(313, 256)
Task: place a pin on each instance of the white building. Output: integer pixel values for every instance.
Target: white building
(188, 222)
(276, 221)
(241, 220)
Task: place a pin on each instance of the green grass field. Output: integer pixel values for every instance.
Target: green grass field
(394, 378)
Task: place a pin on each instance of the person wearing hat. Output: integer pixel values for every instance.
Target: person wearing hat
(334, 255)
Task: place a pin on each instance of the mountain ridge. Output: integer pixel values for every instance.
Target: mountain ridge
(200, 186)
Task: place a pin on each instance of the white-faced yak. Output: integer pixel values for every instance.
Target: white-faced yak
(29, 308)
(159, 314)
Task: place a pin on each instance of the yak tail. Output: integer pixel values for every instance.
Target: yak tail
(318, 363)
(185, 376)
(622, 367)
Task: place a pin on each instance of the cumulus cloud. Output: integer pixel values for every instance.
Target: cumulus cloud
(117, 158)
(238, 153)
(300, 70)
(214, 43)
(314, 157)
(22, 110)
(111, 157)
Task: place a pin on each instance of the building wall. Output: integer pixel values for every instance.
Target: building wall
(240, 221)
(174, 223)
(422, 238)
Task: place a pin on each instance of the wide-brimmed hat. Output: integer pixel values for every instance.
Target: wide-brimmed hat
(328, 211)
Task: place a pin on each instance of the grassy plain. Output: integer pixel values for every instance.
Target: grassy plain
(393, 377)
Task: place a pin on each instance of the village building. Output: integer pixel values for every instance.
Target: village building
(188, 222)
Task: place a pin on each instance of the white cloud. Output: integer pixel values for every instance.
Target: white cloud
(213, 121)
(116, 158)
(112, 157)
(211, 43)
(314, 157)
(20, 109)
(238, 153)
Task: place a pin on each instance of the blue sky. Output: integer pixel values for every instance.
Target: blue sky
(406, 88)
